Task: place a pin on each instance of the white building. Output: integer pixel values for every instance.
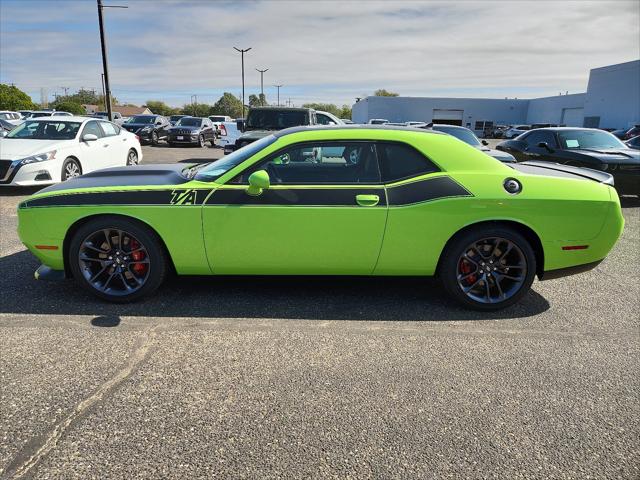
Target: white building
(612, 100)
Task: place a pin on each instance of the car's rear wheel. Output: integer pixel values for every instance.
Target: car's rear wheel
(132, 157)
(117, 259)
(71, 169)
(154, 138)
(488, 268)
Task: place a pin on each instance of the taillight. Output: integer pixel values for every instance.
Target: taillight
(223, 130)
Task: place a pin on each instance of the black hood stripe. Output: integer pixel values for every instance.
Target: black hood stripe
(173, 197)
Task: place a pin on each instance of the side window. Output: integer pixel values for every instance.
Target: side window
(399, 161)
(319, 163)
(109, 129)
(94, 128)
(324, 119)
(550, 138)
(536, 136)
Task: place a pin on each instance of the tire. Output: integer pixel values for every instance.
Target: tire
(171, 144)
(154, 138)
(132, 157)
(113, 273)
(201, 141)
(71, 168)
(478, 280)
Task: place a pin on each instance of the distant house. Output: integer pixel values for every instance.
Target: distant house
(129, 111)
(91, 109)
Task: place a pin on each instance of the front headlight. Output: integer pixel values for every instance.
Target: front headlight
(41, 157)
(195, 133)
(146, 129)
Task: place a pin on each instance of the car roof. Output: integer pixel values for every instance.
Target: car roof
(61, 118)
(289, 109)
(354, 127)
(448, 126)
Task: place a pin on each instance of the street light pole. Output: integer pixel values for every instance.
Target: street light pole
(242, 55)
(278, 87)
(262, 84)
(103, 45)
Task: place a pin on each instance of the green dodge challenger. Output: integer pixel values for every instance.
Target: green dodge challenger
(349, 200)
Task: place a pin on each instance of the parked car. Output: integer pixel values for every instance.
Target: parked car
(150, 128)
(217, 120)
(581, 147)
(377, 121)
(632, 132)
(24, 113)
(117, 117)
(385, 202)
(12, 117)
(468, 137)
(174, 118)
(516, 130)
(48, 150)
(40, 114)
(326, 118)
(634, 143)
(619, 133)
(263, 121)
(61, 114)
(229, 133)
(347, 121)
(192, 131)
(6, 126)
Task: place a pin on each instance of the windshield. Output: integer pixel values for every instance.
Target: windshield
(189, 122)
(49, 130)
(142, 119)
(173, 118)
(217, 119)
(588, 139)
(467, 136)
(215, 170)
(39, 114)
(276, 119)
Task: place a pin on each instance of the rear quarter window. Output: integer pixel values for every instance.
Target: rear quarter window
(399, 161)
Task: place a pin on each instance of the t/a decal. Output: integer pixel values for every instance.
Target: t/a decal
(183, 197)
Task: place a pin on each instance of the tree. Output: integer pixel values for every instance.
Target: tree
(345, 112)
(67, 106)
(227, 104)
(195, 109)
(159, 108)
(254, 100)
(381, 92)
(325, 107)
(12, 98)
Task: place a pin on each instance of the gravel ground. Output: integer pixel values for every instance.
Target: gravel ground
(317, 378)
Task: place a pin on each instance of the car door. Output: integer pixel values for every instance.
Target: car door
(322, 214)
(207, 128)
(117, 147)
(93, 154)
(533, 150)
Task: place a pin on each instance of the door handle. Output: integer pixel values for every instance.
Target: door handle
(105, 145)
(367, 200)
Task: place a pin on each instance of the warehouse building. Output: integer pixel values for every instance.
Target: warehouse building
(612, 100)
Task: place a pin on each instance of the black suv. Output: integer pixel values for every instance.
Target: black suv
(192, 131)
(150, 128)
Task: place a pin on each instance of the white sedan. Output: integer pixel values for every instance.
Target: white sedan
(49, 150)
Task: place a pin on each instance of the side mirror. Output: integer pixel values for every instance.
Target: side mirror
(240, 125)
(159, 122)
(89, 137)
(546, 146)
(485, 143)
(258, 181)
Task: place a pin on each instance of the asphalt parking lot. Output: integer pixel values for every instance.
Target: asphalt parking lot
(318, 377)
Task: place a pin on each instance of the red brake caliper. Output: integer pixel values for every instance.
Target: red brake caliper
(466, 268)
(139, 268)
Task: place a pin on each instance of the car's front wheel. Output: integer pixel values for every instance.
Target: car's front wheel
(154, 138)
(117, 259)
(70, 169)
(201, 141)
(488, 268)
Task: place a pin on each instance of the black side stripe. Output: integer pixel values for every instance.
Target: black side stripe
(426, 190)
(296, 196)
(173, 197)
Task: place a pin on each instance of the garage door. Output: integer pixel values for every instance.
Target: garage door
(572, 117)
(447, 117)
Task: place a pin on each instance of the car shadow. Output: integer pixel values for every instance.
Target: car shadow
(629, 201)
(303, 298)
(19, 191)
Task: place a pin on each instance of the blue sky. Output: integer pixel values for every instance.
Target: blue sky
(327, 51)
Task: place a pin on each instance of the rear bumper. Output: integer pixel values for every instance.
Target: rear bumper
(565, 272)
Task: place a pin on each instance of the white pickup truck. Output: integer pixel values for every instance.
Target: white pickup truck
(229, 131)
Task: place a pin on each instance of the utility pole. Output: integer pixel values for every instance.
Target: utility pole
(105, 67)
(262, 84)
(278, 87)
(104, 95)
(242, 51)
(194, 102)
(66, 91)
